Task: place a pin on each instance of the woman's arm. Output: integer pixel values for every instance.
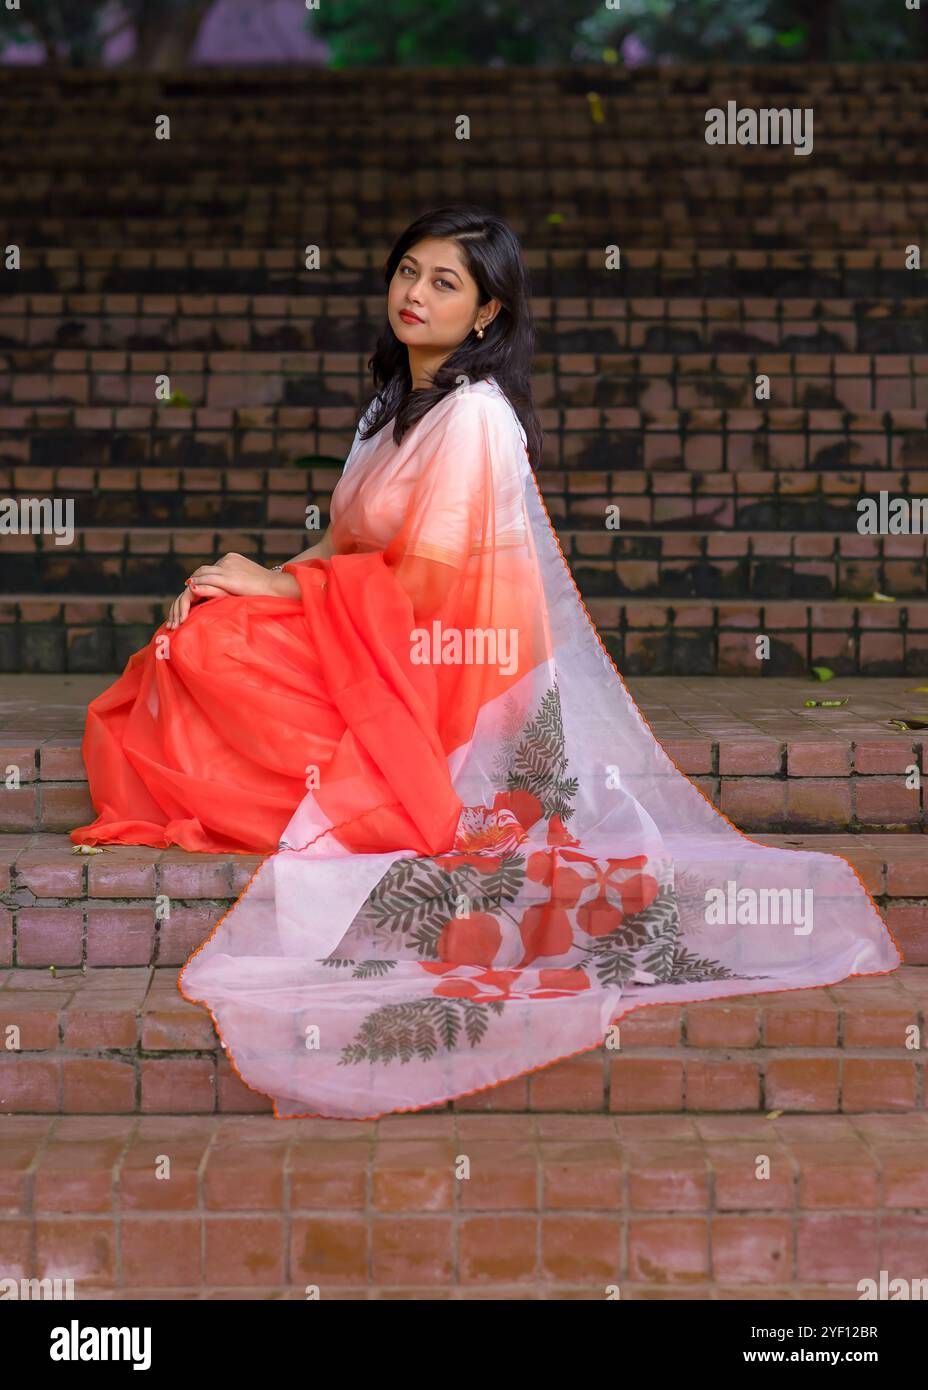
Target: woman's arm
(322, 550)
(285, 584)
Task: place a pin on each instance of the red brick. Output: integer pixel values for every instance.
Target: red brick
(878, 1084)
(49, 936)
(881, 756)
(329, 1250)
(120, 936)
(16, 1249)
(752, 1249)
(722, 1025)
(244, 1250)
(503, 1173)
(48, 877)
(760, 757)
(904, 1176)
(796, 1026)
(581, 1249)
(807, 759)
(669, 1251)
(122, 876)
(98, 1085)
(661, 1182)
(644, 1085)
(908, 923)
(180, 1085)
(414, 1176)
(245, 1175)
(754, 803)
(887, 801)
(81, 1249)
(581, 1174)
(802, 1083)
(737, 1184)
(29, 1083)
(819, 803)
(721, 1085)
(837, 1248)
(94, 1021)
(410, 1250)
(497, 1249)
(576, 1084)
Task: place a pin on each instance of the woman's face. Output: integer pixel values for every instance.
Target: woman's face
(433, 282)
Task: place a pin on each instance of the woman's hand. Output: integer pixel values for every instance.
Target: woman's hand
(232, 574)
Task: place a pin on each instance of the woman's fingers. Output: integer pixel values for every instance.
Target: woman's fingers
(209, 591)
(179, 609)
(181, 606)
(211, 574)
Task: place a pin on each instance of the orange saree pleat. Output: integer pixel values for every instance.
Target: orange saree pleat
(203, 740)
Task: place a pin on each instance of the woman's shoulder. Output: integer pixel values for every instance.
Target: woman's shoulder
(479, 400)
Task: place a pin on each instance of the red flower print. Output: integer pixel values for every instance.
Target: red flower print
(472, 940)
(482, 838)
(558, 835)
(545, 931)
(566, 884)
(482, 988)
(558, 984)
(638, 892)
(525, 806)
(599, 917)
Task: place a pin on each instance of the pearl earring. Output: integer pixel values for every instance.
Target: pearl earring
(479, 332)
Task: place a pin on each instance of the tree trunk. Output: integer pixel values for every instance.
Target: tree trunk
(179, 36)
(820, 31)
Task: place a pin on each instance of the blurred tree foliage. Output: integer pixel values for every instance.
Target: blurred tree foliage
(441, 33)
(423, 33)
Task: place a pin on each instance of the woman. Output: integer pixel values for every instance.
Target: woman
(486, 856)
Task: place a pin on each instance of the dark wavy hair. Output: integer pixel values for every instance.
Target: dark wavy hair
(493, 255)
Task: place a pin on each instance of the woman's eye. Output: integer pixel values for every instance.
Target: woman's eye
(404, 268)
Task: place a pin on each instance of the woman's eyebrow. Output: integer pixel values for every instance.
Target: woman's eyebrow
(447, 268)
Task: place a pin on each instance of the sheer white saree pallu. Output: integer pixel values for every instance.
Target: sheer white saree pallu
(498, 860)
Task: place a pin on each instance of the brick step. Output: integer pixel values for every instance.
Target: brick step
(661, 501)
(67, 280)
(770, 762)
(56, 632)
(122, 1040)
(43, 376)
(675, 380)
(586, 438)
(267, 162)
(265, 156)
(611, 564)
(343, 296)
(62, 908)
(705, 180)
(887, 229)
(713, 343)
(556, 1205)
(662, 209)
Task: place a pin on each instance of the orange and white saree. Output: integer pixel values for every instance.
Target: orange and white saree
(495, 860)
